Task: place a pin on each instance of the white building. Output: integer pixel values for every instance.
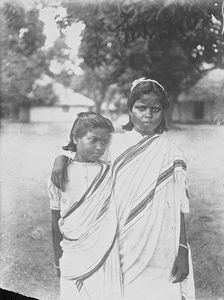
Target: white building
(65, 109)
(204, 102)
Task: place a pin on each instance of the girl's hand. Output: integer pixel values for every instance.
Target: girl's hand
(59, 172)
(181, 265)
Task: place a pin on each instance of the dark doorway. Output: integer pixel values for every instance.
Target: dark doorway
(199, 110)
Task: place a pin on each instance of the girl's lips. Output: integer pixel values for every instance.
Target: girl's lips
(97, 154)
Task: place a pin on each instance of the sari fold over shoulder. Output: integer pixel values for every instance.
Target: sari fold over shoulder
(89, 243)
(150, 193)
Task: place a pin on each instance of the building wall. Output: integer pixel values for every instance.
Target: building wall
(184, 112)
(217, 114)
(208, 109)
(55, 113)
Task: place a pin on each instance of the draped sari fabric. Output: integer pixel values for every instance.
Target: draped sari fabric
(90, 247)
(149, 191)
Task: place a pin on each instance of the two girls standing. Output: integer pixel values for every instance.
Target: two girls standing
(124, 233)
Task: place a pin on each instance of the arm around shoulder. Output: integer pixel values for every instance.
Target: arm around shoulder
(59, 171)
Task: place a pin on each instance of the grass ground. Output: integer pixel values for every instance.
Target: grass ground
(26, 157)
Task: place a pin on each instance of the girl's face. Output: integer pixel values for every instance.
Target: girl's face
(147, 114)
(92, 145)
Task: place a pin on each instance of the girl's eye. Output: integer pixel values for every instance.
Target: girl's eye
(104, 142)
(141, 108)
(156, 109)
(92, 140)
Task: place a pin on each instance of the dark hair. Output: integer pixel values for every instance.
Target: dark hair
(144, 87)
(85, 122)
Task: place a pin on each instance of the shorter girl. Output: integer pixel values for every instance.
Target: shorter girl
(83, 218)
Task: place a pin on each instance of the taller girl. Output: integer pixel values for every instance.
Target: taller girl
(151, 198)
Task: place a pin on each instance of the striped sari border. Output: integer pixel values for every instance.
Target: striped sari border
(79, 285)
(133, 153)
(97, 181)
(101, 179)
(122, 156)
(164, 176)
(99, 265)
(180, 163)
(140, 206)
(104, 208)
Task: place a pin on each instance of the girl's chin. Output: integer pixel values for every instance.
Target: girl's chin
(147, 130)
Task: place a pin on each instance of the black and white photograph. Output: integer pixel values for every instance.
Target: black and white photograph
(112, 149)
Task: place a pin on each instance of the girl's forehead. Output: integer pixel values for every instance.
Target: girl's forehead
(149, 99)
(98, 132)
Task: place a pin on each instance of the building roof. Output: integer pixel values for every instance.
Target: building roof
(67, 97)
(208, 88)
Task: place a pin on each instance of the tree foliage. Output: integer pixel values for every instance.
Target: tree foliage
(22, 57)
(44, 95)
(167, 41)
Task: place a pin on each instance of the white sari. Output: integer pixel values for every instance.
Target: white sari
(90, 264)
(150, 192)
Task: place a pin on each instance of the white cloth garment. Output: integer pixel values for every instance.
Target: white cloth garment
(90, 265)
(81, 175)
(150, 194)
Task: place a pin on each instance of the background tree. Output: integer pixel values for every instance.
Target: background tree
(43, 95)
(22, 57)
(168, 41)
(59, 54)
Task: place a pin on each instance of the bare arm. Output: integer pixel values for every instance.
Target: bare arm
(181, 265)
(183, 238)
(56, 238)
(59, 171)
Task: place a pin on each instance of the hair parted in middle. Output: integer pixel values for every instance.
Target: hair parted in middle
(86, 121)
(143, 86)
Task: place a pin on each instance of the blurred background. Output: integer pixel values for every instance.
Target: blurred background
(62, 57)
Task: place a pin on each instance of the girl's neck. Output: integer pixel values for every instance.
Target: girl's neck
(149, 134)
(80, 159)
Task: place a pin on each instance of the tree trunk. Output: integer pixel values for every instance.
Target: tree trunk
(169, 113)
(24, 114)
(98, 107)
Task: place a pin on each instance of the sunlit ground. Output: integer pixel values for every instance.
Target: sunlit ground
(26, 157)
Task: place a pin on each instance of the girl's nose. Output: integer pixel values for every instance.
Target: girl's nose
(98, 146)
(149, 113)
